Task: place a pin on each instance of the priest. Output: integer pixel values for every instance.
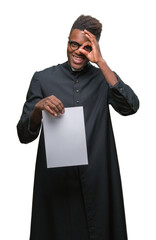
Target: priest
(78, 202)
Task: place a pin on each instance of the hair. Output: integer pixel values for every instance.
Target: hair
(90, 24)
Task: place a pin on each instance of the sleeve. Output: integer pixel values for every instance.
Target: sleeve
(33, 96)
(122, 98)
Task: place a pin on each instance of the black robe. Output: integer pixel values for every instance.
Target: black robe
(80, 202)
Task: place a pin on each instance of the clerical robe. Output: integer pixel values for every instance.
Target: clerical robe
(79, 202)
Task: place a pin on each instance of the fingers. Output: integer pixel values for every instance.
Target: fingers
(86, 48)
(90, 36)
(48, 109)
(95, 54)
(84, 52)
(88, 43)
(57, 105)
(52, 105)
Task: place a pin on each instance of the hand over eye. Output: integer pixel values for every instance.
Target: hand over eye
(91, 48)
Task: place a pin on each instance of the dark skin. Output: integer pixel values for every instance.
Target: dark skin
(76, 59)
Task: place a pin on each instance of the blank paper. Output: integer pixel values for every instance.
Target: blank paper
(65, 138)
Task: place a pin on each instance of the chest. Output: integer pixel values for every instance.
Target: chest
(88, 90)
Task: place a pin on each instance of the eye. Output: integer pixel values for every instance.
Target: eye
(88, 48)
(74, 45)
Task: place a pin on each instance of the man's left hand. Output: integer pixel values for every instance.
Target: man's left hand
(95, 55)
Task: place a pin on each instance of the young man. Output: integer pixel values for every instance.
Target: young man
(80, 202)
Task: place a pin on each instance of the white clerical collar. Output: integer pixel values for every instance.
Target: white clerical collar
(78, 70)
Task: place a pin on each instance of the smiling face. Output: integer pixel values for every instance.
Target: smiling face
(76, 59)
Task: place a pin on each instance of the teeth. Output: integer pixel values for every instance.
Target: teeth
(78, 57)
(78, 60)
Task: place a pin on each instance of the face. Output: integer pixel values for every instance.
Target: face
(76, 59)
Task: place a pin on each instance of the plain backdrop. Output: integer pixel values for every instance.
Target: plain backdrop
(34, 36)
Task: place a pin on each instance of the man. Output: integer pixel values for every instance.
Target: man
(80, 202)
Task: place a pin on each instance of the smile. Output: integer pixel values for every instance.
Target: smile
(78, 59)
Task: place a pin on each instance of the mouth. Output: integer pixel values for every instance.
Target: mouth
(78, 59)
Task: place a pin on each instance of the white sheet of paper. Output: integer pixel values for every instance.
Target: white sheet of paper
(65, 139)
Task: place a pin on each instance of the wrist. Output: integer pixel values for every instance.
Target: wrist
(101, 62)
(107, 72)
(37, 110)
(35, 118)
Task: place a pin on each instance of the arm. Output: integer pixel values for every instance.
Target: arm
(121, 96)
(29, 124)
(34, 95)
(95, 57)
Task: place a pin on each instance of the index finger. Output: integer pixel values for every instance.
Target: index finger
(89, 35)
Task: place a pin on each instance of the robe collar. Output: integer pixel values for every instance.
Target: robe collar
(84, 69)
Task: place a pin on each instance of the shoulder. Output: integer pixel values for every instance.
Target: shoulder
(47, 74)
(47, 71)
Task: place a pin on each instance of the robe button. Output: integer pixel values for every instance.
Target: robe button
(77, 90)
(77, 101)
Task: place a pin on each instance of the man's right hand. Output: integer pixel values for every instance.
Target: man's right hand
(50, 104)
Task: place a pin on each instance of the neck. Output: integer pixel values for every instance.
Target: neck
(80, 69)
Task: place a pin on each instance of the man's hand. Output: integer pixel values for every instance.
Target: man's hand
(95, 55)
(50, 104)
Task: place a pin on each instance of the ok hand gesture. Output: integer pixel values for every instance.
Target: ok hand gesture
(93, 56)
